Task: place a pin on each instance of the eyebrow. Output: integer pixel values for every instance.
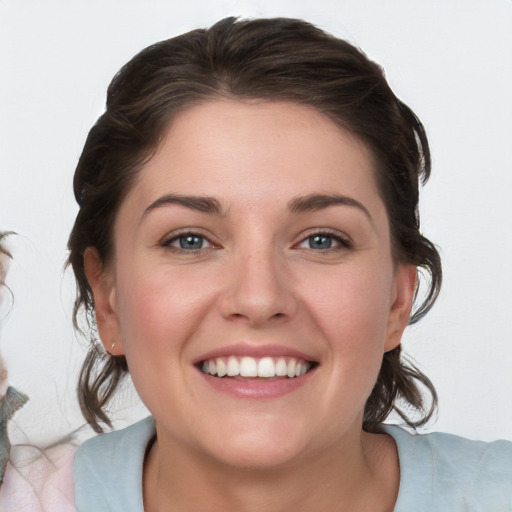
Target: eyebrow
(302, 204)
(314, 202)
(200, 203)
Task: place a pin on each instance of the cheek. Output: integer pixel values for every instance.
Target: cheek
(159, 309)
(353, 307)
(352, 311)
(158, 313)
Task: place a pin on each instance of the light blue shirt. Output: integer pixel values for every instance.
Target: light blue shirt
(438, 472)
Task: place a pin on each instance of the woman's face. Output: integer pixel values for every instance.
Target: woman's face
(255, 240)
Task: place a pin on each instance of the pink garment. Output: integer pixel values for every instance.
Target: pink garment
(38, 481)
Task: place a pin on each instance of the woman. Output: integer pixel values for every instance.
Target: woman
(247, 246)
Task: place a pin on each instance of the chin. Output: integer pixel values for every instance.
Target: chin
(261, 444)
(258, 456)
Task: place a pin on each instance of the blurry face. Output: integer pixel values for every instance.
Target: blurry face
(252, 288)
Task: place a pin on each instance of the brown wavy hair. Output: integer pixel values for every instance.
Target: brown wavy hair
(271, 60)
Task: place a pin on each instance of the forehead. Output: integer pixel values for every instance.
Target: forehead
(248, 151)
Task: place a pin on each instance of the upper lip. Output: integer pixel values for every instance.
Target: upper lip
(256, 351)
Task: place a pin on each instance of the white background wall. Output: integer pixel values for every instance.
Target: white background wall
(451, 61)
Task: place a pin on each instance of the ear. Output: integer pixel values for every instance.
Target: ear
(105, 306)
(404, 288)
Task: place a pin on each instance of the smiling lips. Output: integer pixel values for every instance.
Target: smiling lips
(250, 367)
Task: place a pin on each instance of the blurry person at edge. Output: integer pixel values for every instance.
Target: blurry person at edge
(247, 246)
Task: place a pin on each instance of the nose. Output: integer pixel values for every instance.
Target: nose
(260, 289)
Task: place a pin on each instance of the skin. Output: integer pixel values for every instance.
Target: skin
(258, 280)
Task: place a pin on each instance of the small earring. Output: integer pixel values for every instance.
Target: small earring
(113, 345)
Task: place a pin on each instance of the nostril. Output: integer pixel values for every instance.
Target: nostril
(251, 317)
(244, 300)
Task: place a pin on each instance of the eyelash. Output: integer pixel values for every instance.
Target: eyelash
(166, 242)
(342, 242)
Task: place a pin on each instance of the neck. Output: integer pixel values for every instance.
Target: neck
(359, 475)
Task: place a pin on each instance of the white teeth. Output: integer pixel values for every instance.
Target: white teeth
(221, 368)
(281, 367)
(291, 368)
(266, 367)
(248, 367)
(233, 368)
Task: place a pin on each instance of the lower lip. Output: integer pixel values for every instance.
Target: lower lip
(257, 388)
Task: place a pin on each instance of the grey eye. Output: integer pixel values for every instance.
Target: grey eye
(319, 242)
(187, 242)
(190, 242)
(324, 242)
